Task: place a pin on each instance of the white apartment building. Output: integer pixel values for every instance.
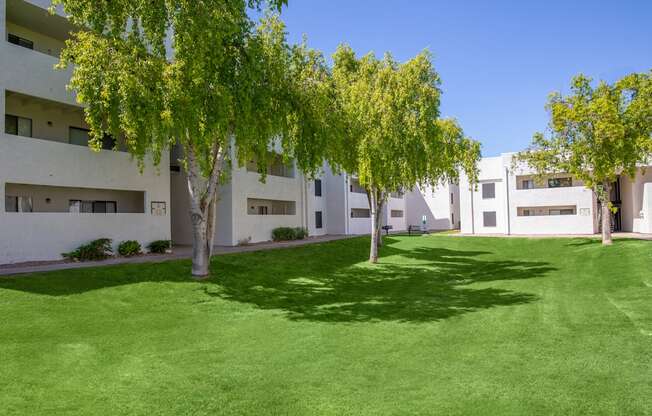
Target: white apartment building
(56, 192)
(248, 209)
(347, 206)
(439, 205)
(511, 201)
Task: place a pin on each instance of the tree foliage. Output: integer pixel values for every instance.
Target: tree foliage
(596, 133)
(203, 75)
(393, 137)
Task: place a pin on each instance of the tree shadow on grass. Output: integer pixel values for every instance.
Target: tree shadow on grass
(329, 282)
(417, 285)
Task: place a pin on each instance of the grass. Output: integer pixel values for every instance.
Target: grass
(443, 325)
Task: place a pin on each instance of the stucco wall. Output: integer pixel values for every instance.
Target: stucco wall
(435, 204)
(43, 236)
(259, 227)
(317, 203)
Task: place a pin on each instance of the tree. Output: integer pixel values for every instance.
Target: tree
(203, 75)
(596, 134)
(393, 137)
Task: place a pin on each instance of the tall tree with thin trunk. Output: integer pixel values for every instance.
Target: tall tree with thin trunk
(201, 74)
(596, 133)
(393, 137)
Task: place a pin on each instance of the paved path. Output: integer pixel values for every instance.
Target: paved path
(180, 252)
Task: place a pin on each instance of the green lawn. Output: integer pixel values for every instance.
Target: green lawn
(443, 325)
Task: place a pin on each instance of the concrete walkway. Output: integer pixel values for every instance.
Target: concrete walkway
(179, 252)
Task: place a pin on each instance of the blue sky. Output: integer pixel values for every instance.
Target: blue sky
(498, 60)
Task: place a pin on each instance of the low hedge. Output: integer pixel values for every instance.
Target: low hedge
(289, 233)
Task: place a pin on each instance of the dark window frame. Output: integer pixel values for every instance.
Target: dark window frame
(319, 220)
(487, 219)
(318, 190)
(565, 182)
(485, 193)
(108, 142)
(20, 41)
(17, 121)
(93, 205)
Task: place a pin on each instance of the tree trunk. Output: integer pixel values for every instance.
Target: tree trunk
(379, 222)
(203, 204)
(606, 214)
(201, 251)
(373, 204)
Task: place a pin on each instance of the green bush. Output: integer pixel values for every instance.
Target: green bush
(99, 249)
(284, 234)
(159, 246)
(301, 233)
(288, 233)
(129, 248)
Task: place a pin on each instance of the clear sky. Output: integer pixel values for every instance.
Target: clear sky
(498, 59)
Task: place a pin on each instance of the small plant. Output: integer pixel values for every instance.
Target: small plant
(99, 249)
(159, 246)
(129, 248)
(301, 233)
(284, 234)
(244, 241)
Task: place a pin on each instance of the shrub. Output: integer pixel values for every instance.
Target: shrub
(129, 248)
(288, 233)
(284, 234)
(159, 246)
(99, 249)
(301, 233)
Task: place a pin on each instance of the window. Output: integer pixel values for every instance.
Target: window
(318, 219)
(562, 211)
(397, 213)
(453, 219)
(360, 213)
(11, 203)
(81, 137)
(527, 184)
(92, 207)
(19, 126)
(489, 218)
(452, 200)
(262, 210)
(560, 182)
(546, 211)
(397, 195)
(488, 190)
(317, 187)
(18, 204)
(17, 40)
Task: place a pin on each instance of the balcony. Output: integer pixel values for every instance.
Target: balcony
(28, 198)
(33, 117)
(276, 167)
(32, 27)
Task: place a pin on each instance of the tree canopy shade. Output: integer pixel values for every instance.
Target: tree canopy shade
(203, 75)
(393, 137)
(596, 134)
